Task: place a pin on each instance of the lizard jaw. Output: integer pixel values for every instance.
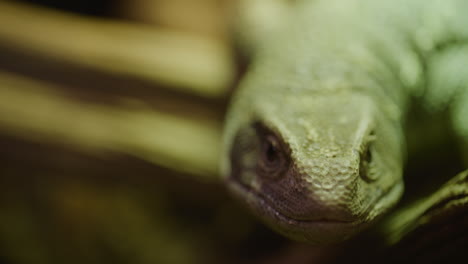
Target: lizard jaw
(316, 231)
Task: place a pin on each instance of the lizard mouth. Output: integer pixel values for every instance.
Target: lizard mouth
(265, 207)
(271, 210)
(317, 231)
(325, 229)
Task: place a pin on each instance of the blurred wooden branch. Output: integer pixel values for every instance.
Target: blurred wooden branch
(65, 55)
(33, 109)
(204, 17)
(191, 63)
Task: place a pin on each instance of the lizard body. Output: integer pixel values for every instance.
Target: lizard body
(314, 139)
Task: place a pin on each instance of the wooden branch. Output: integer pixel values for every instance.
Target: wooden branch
(40, 111)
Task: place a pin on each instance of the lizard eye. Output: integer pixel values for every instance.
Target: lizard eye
(272, 159)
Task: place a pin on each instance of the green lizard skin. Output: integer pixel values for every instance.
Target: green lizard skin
(314, 140)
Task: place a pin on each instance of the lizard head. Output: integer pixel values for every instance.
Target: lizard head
(315, 168)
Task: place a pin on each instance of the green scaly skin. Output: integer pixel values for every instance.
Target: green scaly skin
(314, 141)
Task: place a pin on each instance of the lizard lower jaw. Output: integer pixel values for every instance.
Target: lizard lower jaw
(325, 230)
(300, 222)
(316, 231)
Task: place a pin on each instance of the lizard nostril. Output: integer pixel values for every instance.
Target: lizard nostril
(366, 160)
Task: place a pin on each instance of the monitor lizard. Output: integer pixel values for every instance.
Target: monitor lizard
(314, 136)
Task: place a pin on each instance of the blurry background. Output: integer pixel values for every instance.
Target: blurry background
(110, 121)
